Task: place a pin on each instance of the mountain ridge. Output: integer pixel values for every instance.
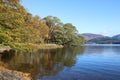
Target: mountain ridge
(98, 38)
(89, 36)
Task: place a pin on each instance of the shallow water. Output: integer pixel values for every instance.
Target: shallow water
(86, 62)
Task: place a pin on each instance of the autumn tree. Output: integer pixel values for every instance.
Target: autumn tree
(35, 31)
(11, 18)
(19, 26)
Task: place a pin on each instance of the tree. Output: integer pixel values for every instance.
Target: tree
(52, 23)
(66, 35)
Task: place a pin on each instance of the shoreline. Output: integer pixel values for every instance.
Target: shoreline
(28, 47)
(6, 74)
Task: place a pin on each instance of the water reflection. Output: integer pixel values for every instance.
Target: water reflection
(94, 49)
(117, 50)
(102, 49)
(70, 63)
(44, 62)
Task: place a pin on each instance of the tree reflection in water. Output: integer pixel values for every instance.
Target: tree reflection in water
(44, 62)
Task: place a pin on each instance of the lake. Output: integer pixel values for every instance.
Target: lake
(86, 62)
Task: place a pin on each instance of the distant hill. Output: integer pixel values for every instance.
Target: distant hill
(101, 39)
(116, 37)
(106, 40)
(89, 36)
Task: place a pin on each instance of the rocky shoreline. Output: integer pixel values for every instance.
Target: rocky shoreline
(6, 74)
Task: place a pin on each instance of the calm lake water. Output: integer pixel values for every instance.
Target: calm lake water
(86, 62)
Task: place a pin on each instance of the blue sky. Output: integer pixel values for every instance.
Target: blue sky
(89, 16)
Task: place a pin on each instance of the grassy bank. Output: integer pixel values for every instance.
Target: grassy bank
(27, 46)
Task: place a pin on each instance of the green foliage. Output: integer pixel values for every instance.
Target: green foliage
(52, 23)
(5, 38)
(66, 35)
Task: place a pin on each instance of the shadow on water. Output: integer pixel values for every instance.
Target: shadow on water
(43, 62)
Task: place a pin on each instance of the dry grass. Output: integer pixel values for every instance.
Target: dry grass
(49, 46)
(28, 46)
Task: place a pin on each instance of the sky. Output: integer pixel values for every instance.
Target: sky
(89, 16)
